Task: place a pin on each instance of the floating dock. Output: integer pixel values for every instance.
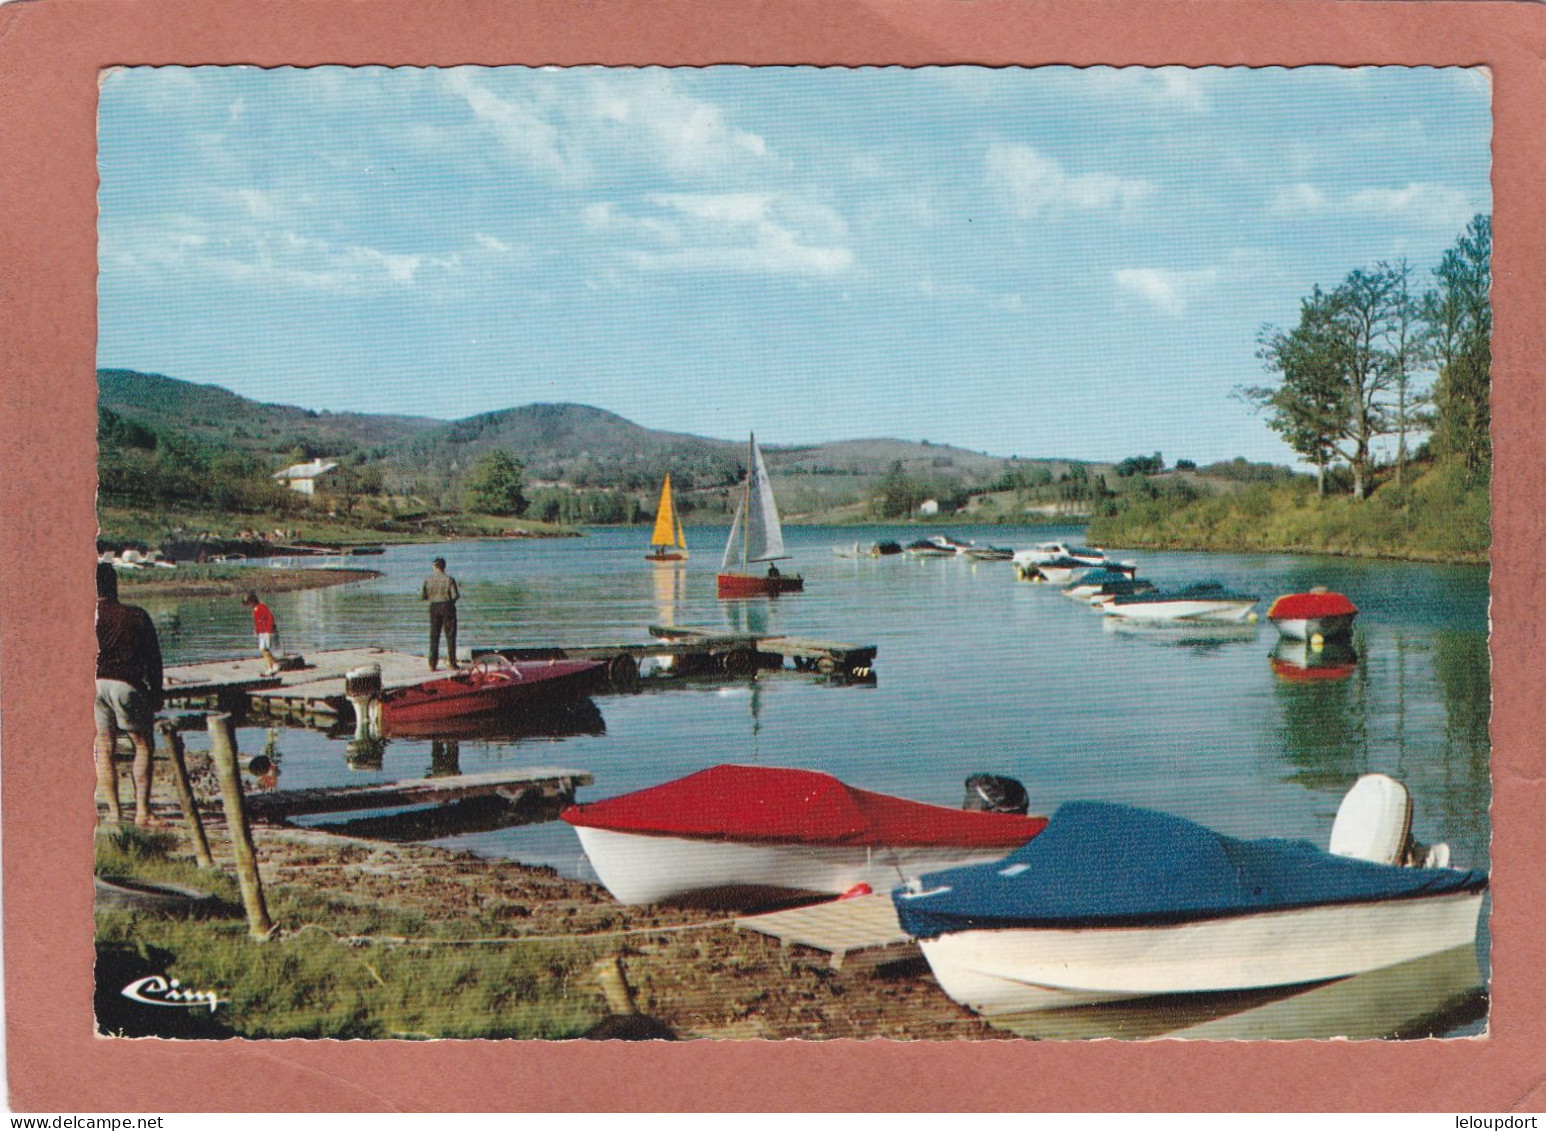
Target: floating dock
(311, 690)
(861, 932)
(516, 787)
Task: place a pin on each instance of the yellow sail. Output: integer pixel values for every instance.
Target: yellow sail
(667, 529)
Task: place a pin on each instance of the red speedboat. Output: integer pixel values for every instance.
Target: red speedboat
(491, 685)
(731, 832)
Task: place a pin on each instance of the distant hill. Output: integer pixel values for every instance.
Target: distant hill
(570, 445)
(218, 417)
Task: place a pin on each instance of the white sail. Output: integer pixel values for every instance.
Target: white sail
(733, 544)
(764, 537)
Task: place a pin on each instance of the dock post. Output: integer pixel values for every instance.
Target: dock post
(175, 756)
(223, 748)
(362, 687)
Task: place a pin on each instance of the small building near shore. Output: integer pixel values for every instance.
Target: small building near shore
(929, 506)
(303, 477)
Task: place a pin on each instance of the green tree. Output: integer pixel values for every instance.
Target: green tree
(1458, 316)
(1311, 405)
(493, 486)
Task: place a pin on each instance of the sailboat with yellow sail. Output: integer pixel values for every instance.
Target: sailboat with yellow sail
(667, 543)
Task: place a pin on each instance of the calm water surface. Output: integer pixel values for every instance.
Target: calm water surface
(976, 671)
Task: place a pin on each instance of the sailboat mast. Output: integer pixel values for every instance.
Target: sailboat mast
(746, 531)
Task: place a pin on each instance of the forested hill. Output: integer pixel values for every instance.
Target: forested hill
(576, 445)
(220, 419)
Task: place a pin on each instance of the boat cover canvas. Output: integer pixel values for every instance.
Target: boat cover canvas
(1197, 591)
(1309, 606)
(764, 804)
(1105, 865)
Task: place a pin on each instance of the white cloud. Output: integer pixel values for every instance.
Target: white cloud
(688, 134)
(1038, 186)
(1168, 88)
(1424, 203)
(1169, 292)
(750, 233)
(519, 124)
(492, 243)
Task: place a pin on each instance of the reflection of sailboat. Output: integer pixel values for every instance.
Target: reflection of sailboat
(1420, 998)
(755, 537)
(667, 542)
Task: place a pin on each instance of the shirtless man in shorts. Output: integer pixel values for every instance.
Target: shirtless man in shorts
(128, 693)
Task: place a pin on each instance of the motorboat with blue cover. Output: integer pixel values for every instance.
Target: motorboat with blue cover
(1202, 600)
(1113, 902)
(1119, 578)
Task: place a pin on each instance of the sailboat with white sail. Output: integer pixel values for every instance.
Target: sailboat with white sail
(755, 537)
(667, 543)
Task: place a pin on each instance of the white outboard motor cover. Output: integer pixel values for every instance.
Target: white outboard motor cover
(1374, 821)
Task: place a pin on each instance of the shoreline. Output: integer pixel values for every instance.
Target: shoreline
(685, 968)
(250, 579)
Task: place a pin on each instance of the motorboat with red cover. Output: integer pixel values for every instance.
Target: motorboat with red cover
(491, 684)
(736, 830)
(1320, 612)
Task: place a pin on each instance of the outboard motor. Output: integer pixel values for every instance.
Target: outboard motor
(990, 793)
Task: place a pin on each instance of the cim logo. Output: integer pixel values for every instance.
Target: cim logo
(157, 990)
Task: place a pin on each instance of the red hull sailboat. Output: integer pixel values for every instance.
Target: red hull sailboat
(755, 538)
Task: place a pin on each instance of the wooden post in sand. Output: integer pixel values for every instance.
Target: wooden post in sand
(223, 747)
(174, 749)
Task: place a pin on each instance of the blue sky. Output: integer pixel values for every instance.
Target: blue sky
(1041, 262)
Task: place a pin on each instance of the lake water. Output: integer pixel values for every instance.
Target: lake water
(976, 672)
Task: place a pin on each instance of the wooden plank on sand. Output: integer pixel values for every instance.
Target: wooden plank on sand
(860, 932)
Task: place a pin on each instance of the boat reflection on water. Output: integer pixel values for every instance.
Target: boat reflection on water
(1201, 637)
(1298, 661)
(1426, 997)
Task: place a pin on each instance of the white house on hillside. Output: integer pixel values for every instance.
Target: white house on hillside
(929, 506)
(303, 477)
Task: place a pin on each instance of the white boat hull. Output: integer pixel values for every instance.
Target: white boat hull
(1229, 612)
(1310, 627)
(996, 972)
(649, 869)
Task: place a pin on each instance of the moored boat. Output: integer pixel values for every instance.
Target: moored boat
(1113, 902)
(1093, 582)
(927, 548)
(1202, 600)
(1055, 570)
(668, 543)
(755, 537)
(1317, 613)
(1051, 551)
(491, 684)
(989, 553)
(733, 832)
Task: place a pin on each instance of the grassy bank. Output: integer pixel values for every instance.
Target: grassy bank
(1439, 514)
(411, 941)
(194, 580)
(130, 526)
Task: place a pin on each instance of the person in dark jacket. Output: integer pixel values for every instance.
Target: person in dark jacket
(128, 693)
(441, 591)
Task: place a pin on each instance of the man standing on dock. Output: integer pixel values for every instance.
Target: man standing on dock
(441, 592)
(128, 693)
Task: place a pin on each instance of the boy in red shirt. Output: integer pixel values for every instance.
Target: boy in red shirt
(267, 632)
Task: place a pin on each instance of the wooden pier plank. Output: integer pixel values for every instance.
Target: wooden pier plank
(862, 931)
(547, 780)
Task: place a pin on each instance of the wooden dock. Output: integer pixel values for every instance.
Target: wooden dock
(861, 932)
(516, 787)
(311, 689)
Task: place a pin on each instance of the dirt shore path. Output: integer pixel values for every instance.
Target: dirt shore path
(164, 583)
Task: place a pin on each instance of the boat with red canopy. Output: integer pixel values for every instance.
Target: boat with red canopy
(1320, 612)
(492, 684)
(734, 831)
